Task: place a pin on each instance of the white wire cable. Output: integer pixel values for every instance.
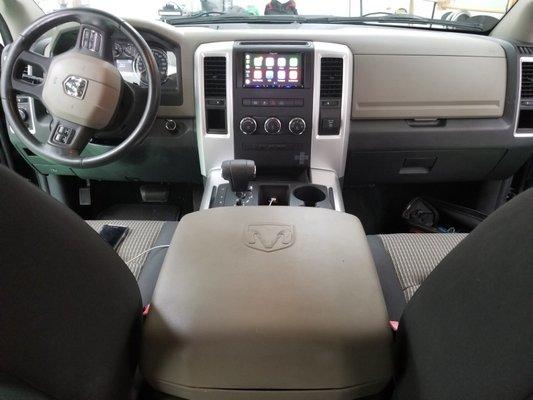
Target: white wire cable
(163, 246)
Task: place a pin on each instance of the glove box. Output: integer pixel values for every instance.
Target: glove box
(268, 303)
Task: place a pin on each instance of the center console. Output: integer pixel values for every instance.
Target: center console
(284, 105)
(268, 303)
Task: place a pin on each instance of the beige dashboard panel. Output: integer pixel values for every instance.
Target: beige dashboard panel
(418, 86)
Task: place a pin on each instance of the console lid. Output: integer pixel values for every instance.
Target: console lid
(268, 302)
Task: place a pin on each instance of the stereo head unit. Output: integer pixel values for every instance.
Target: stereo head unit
(273, 70)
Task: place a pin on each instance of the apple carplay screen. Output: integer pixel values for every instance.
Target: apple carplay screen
(273, 70)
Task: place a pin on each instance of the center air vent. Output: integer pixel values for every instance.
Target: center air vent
(331, 78)
(215, 77)
(527, 80)
(528, 50)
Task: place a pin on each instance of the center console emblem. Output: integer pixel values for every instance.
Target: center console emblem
(269, 237)
(75, 86)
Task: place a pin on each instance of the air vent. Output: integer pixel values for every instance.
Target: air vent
(528, 50)
(331, 78)
(215, 77)
(527, 80)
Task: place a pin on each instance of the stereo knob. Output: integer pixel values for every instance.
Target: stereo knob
(297, 126)
(272, 126)
(248, 125)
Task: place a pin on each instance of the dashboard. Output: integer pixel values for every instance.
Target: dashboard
(372, 104)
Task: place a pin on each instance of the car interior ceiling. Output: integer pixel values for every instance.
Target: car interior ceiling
(226, 203)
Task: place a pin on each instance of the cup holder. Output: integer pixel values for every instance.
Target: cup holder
(310, 195)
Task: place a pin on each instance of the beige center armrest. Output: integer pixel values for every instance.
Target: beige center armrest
(255, 302)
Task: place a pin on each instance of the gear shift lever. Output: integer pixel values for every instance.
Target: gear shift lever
(239, 173)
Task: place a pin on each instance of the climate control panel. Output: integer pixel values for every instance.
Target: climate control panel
(272, 125)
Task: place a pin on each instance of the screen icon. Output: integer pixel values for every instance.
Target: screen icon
(293, 62)
(269, 61)
(282, 62)
(258, 61)
(269, 74)
(281, 75)
(293, 75)
(258, 74)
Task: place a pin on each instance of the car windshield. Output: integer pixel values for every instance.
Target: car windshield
(464, 15)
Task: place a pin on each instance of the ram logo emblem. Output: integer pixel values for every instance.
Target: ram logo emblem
(75, 86)
(266, 237)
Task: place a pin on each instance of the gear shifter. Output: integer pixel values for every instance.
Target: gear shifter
(239, 173)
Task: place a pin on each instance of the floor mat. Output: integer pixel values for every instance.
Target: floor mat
(145, 212)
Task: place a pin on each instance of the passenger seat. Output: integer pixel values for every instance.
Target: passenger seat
(405, 260)
(142, 236)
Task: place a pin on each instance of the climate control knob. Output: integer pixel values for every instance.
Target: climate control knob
(272, 126)
(248, 125)
(297, 126)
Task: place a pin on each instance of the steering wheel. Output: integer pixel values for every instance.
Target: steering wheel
(81, 89)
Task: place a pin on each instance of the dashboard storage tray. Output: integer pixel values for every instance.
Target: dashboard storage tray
(268, 303)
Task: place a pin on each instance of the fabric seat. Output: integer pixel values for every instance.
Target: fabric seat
(405, 260)
(142, 236)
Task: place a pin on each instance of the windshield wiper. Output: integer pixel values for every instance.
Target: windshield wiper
(397, 19)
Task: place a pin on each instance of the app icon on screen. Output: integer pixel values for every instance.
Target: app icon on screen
(293, 62)
(281, 75)
(282, 62)
(269, 61)
(293, 75)
(258, 61)
(269, 74)
(258, 75)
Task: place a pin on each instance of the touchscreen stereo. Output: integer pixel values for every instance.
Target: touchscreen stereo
(273, 70)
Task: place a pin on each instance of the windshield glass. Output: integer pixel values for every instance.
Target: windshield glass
(475, 15)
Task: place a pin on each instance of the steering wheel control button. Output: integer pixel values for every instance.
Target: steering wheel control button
(248, 125)
(23, 114)
(91, 40)
(63, 135)
(297, 126)
(272, 126)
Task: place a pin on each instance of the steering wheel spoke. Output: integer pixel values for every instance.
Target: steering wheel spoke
(69, 138)
(25, 79)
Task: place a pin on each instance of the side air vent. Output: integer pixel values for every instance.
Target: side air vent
(215, 94)
(331, 78)
(527, 50)
(215, 77)
(527, 80)
(330, 95)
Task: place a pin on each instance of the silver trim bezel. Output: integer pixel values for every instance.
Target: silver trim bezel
(213, 149)
(329, 152)
(318, 177)
(516, 133)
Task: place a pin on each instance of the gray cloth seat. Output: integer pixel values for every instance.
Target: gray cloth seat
(142, 236)
(405, 260)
